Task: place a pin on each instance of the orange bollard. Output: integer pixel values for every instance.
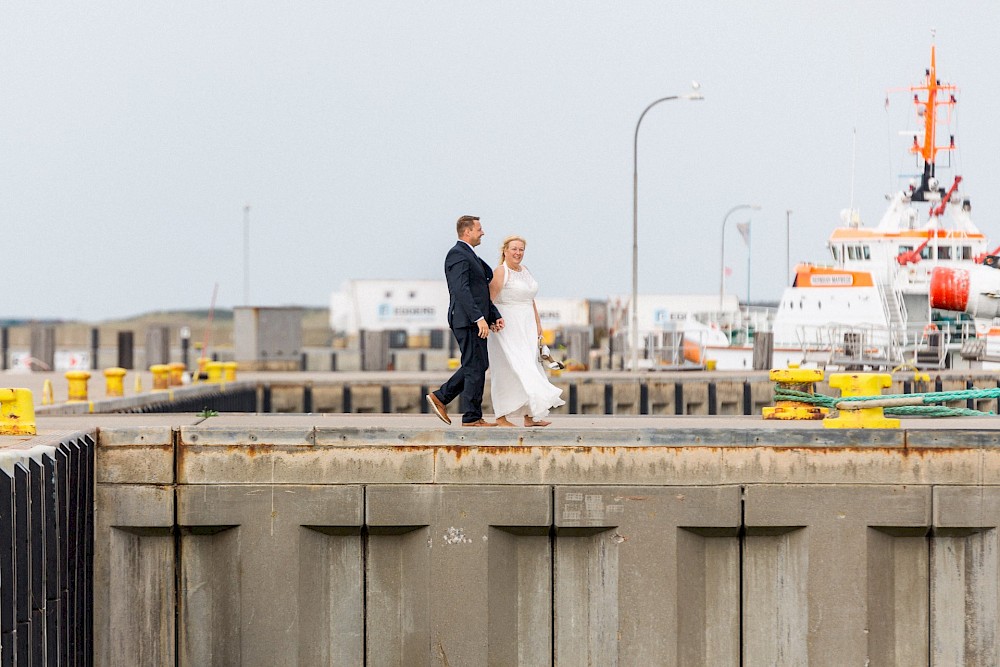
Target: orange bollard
(176, 373)
(161, 376)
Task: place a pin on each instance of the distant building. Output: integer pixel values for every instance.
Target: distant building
(417, 306)
(382, 305)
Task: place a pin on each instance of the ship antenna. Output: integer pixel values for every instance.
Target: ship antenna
(854, 161)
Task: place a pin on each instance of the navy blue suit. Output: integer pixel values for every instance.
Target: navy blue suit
(469, 300)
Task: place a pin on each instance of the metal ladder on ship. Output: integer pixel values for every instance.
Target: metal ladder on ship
(892, 303)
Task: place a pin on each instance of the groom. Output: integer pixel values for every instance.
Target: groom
(471, 315)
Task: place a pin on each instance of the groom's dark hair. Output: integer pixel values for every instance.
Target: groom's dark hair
(465, 222)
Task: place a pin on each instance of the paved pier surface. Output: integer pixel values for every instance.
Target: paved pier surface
(430, 426)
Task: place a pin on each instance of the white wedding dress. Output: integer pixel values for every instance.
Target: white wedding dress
(518, 383)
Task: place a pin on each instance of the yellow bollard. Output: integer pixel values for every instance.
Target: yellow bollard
(861, 384)
(796, 379)
(48, 396)
(202, 373)
(114, 382)
(177, 369)
(229, 371)
(214, 369)
(161, 376)
(77, 385)
(17, 412)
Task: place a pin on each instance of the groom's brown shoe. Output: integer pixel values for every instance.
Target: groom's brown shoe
(438, 407)
(481, 422)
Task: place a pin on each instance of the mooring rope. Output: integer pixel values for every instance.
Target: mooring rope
(897, 404)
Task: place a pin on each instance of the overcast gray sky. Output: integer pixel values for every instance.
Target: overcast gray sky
(133, 134)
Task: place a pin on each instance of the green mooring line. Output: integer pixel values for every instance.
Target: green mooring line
(926, 410)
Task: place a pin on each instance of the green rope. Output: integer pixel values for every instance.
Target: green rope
(926, 410)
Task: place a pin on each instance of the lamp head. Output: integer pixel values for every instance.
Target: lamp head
(695, 94)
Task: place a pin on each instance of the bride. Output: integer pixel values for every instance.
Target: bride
(518, 384)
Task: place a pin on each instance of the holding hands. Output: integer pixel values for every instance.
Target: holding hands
(484, 329)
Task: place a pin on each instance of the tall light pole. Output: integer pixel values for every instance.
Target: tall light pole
(722, 253)
(788, 245)
(246, 255)
(635, 218)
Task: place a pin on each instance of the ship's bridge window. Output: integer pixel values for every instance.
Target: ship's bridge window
(852, 252)
(836, 253)
(944, 252)
(867, 251)
(926, 252)
(904, 248)
(966, 252)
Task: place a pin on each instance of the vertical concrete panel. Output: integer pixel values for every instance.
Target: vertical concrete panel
(141, 599)
(775, 603)
(695, 398)
(638, 570)
(586, 597)
(209, 632)
(330, 597)
(398, 597)
(134, 576)
(661, 398)
(965, 594)
(730, 398)
(964, 599)
(708, 568)
(626, 398)
(590, 397)
(519, 597)
(898, 586)
(280, 554)
(480, 597)
(830, 560)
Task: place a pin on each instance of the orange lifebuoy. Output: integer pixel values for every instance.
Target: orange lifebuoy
(692, 351)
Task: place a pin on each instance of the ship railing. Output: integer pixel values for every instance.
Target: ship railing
(891, 296)
(753, 319)
(931, 344)
(850, 346)
(672, 349)
(930, 349)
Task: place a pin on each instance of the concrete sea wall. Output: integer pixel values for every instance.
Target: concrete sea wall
(349, 540)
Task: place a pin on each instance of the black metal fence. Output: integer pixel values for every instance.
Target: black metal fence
(46, 554)
(231, 400)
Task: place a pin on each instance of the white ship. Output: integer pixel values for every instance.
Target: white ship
(871, 306)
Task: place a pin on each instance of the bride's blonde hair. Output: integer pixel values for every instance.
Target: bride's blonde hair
(506, 242)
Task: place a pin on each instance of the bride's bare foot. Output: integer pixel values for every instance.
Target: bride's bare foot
(528, 421)
(503, 421)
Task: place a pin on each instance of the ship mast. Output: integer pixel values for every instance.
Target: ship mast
(936, 95)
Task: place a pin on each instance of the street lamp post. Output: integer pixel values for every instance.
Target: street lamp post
(635, 218)
(246, 255)
(788, 244)
(722, 253)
